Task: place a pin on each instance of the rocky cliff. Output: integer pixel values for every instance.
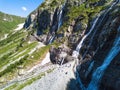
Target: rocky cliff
(91, 28)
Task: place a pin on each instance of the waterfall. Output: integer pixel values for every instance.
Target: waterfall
(89, 69)
(91, 39)
(60, 16)
(51, 39)
(62, 61)
(100, 71)
(76, 52)
(59, 22)
(97, 75)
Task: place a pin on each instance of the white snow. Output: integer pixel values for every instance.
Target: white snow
(5, 36)
(20, 26)
(46, 59)
(29, 42)
(5, 19)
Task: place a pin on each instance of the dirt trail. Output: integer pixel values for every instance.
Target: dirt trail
(57, 80)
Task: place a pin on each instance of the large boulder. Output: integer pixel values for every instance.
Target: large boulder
(59, 55)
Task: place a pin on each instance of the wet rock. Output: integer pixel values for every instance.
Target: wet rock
(73, 38)
(59, 54)
(43, 20)
(69, 58)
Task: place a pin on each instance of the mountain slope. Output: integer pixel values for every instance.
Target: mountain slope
(8, 23)
(82, 39)
(86, 28)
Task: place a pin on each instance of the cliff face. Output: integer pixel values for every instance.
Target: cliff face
(94, 23)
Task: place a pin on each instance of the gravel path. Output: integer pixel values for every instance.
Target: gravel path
(57, 80)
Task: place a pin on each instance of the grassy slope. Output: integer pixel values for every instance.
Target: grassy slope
(15, 48)
(8, 23)
(14, 52)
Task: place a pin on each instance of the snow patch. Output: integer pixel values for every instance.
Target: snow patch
(29, 42)
(46, 59)
(5, 19)
(20, 26)
(5, 36)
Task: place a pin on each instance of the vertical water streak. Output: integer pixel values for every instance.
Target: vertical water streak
(60, 16)
(89, 69)
(59, 22)
(76, 52)
(97, 75)
(51, 39)
(91, 39)
(62, 61)
(81, 42)
(92, 85)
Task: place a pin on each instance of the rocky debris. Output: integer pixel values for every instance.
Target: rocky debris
(59, 54)
(20, 70)
(34, 37)
(31, 38)
(60, 79)
(73, 38)
(69, 58)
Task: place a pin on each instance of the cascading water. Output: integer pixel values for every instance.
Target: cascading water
(51, 39)
(59, 22)
(91, 39)
(97, 75)
(62, 61)
(76, 52)
(89, 69)
(60, 16)
(100, 71)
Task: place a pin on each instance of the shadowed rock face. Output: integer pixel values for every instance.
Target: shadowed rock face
(102, 42)
(27, 22)
(59, 54)
(43, 21)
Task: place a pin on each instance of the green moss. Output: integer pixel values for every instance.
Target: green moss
(46, 31)
(54, 2)
(82, 11)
